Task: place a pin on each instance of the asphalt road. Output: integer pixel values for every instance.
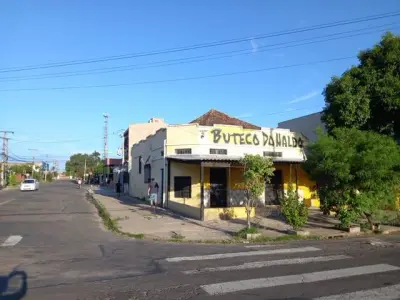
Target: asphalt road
(55, 238)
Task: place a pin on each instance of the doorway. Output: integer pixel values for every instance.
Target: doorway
(274, 189)
(162, 188)
(218, 187)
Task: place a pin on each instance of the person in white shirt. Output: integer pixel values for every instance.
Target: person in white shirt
(152, 192)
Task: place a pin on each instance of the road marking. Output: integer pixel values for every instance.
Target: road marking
(242, 285)
(385, 293)
(237, 254)
(258, 246)
(5, 202)
(262, 264)
(12, 240)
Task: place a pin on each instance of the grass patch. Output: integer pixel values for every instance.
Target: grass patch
(110, 223)
(176, 237)
(138, 236)
(243, 232)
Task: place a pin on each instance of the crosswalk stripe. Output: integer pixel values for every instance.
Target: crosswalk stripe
(385, 293)
(237, 254)
(241, 285)
(262, 264)
(12, 240)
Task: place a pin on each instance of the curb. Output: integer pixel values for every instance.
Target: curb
(110, 225)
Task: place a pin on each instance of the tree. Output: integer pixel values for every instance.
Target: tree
(357, 173)
(367, 96)
(257, 172)
(76, 164)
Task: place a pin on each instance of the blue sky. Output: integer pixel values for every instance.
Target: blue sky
(61, 122)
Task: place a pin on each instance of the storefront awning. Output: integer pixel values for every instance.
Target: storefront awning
(216, 157)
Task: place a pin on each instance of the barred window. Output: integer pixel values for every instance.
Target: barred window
(183, 187)
(218, 151)
(272, 154)
(183, 151)
(147, 173)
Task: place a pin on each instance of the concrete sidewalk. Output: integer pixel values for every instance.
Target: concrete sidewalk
(137, 217)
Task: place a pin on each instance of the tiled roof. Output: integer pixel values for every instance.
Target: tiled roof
(213, 117)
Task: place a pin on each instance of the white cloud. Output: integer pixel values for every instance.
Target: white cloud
(254, 45)
(304, 97)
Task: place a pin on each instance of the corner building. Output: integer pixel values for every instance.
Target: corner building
(198, 170)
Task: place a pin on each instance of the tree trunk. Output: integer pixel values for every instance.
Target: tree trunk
(369, 218)
(248, 210)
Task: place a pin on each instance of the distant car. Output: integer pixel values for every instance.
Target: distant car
(29, 185)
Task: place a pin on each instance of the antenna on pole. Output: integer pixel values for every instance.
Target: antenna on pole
(105, 137)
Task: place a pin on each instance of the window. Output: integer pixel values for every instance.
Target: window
(162, 153)
(183, 187)
(183, 151)
(147, 173)
(272, 154)
(219, 151)
(140, 165)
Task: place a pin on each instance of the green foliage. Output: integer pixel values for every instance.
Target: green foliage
(367, 96)
(21, 169)
(12, 179)
(257, 171)
(243, 232)
(357, 172)
(49, 177)
(294, 211)
(76, 164)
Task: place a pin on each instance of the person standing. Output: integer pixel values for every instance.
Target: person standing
(118, 189)
(152, 192)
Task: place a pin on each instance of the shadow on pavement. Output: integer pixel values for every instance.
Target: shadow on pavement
(13, 286)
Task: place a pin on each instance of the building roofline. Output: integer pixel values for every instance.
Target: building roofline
(300, 117)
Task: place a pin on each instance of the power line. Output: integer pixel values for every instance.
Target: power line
(204, 45)
(202, 58)
(184, 78)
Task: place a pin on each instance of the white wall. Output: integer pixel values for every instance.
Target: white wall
(150, 150)
(141, 131)
(202, 145)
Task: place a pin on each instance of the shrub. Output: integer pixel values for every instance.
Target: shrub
(294, 211)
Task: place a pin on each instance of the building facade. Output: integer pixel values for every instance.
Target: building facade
(132, 135)
(197, 165)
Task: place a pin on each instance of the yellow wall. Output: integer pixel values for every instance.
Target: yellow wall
(182, 169)
(236, 212)
(236, 180)
(305, 184)
(183, 136)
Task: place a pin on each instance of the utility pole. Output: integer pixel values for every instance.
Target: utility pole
(45, 166)
(5, 156)
(105, 136)
(33, 160)
(84, 172)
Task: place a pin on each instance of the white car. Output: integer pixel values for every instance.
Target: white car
(29, 185)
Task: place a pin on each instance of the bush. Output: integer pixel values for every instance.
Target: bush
(243, 232)
(13, 180)
(49, 177)
(294, 211)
